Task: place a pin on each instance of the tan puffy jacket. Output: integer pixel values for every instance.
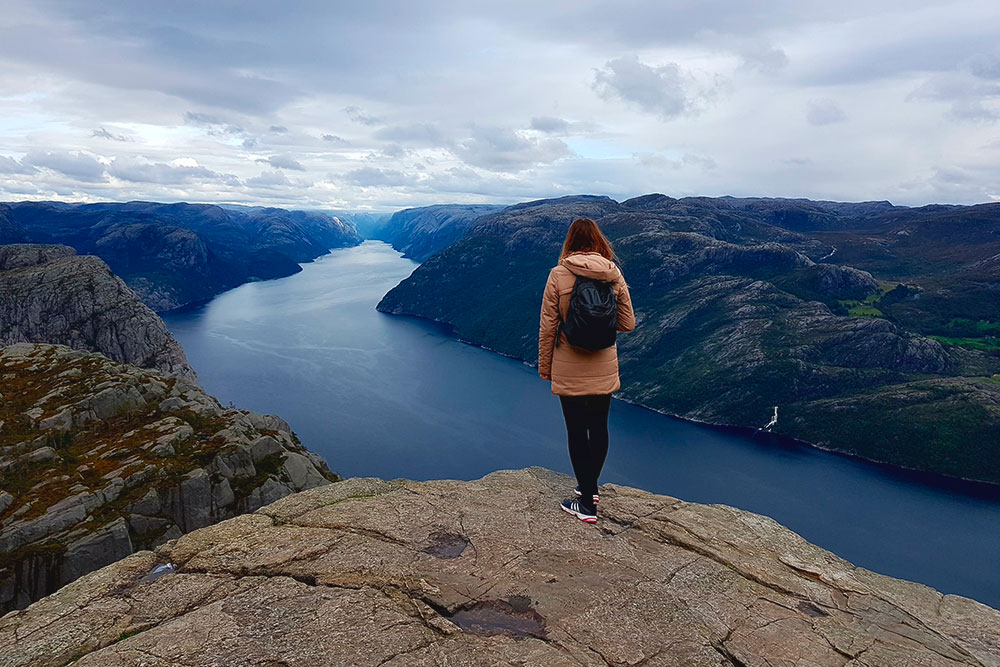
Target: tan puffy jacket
(577, 372)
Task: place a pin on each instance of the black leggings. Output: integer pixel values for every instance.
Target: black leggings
(587, 431)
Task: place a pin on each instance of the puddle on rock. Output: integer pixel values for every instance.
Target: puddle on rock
(496, 617)
(446, 545)
(811, 610)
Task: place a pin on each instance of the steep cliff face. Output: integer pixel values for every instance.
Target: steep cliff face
(420, 232)
(172, 254)
(737, 314)
(49, 294)
(99, 459)
(366, 572)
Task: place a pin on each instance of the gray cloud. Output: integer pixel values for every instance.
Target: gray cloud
(371, 176)
(199, 118)
(77, 166)
(269, 180)
(9, 165)
(986, 66)
(283, 162)
(358, 116)
(762, 56)
(549, 124)
(392, 151)
(503, 149)
(426, 134)
(104, 134)
(824, 111)
(138, 171)
(972, 98)
(664, 90)
(333, 138)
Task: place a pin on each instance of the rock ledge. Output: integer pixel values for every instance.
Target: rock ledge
(370, 572)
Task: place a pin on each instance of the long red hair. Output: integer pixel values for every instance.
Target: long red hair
(585, 236)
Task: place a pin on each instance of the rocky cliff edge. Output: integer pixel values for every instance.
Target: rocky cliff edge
(100, 459)
(49, 294)
(370, 572)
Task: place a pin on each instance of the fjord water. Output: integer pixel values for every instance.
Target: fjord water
(390, 397)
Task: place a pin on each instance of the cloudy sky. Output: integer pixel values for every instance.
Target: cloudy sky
(381, 105)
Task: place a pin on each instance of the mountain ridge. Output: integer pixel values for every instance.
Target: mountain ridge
(173, 254)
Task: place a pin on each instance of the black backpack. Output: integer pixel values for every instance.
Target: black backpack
(592, 318)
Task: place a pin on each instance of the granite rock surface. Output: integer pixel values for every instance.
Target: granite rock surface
(49, 294)
(369, 572)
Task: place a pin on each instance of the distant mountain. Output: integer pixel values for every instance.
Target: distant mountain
(49, 294)
(173, 254)
(741, 308)
(366, 222)
(420, 232)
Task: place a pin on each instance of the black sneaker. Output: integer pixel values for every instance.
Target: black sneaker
(576, 492)
(576, 508)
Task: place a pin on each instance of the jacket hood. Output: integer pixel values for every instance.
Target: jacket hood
(591, 265)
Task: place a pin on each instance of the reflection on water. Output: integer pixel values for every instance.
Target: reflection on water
(396, 397)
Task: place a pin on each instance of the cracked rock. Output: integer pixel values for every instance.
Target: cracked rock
(338, 575)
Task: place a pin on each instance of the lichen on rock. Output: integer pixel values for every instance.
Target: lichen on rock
(99, 459)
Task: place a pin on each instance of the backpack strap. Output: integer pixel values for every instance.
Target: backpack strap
(559, 327)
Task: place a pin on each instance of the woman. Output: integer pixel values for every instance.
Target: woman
(584, 380)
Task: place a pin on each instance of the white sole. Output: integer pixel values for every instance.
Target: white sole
(586, 518)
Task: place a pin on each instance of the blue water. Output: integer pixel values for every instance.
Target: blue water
(391, 397)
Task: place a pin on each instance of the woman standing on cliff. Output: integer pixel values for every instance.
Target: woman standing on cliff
(584, 377)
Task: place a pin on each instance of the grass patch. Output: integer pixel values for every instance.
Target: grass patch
(986, 344)
(870, 306)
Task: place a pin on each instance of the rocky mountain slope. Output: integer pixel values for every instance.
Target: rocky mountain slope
(420, 232)
(172, 254)
(49, 294)
(345, 575)
(99, 459)
(740, 309)
(10, 232)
